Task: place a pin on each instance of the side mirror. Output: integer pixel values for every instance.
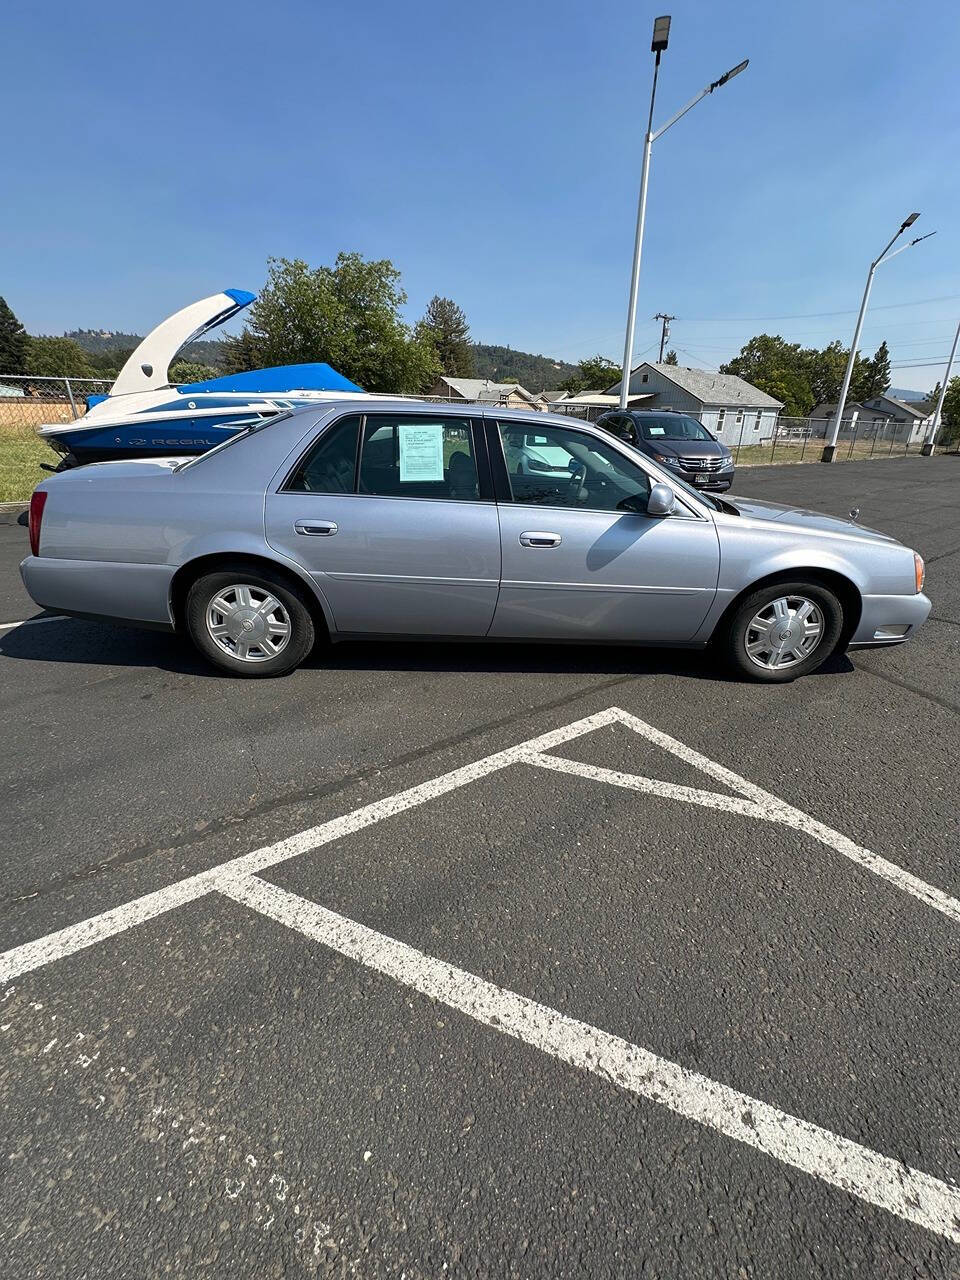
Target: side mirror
(661, 501)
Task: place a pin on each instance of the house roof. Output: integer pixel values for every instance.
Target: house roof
(483, 391)
(725, 390)
(603, 399)
(913, 410)
(827, 410)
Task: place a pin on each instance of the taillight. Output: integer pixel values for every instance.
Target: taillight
(37, 503)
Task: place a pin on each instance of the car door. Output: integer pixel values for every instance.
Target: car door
(581, 559)
(393, 516)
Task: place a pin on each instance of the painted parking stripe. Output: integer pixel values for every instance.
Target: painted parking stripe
(874, 1178)
(776, 810)
(64, 942)
(32, 622)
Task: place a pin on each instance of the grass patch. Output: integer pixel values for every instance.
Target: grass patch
(21, 452)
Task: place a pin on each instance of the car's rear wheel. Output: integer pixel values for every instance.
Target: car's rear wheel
(249, 621)
(783, 631)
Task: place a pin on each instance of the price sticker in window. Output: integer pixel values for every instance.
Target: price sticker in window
(421, 452)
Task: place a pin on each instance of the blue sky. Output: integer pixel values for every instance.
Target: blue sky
(493, 152)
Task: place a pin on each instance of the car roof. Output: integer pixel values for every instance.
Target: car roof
(458, 409)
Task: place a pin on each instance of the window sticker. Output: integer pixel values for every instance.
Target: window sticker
(421, 452)
(657, 431)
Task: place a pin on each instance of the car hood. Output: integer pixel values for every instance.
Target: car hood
(803, 519)
(687, 448)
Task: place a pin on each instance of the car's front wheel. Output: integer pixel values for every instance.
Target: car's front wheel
(783, 631)
(248, 621)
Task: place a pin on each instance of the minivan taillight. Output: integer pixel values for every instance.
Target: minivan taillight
(37, 503)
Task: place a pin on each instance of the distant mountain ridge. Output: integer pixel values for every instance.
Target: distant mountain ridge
(499, 364)
(910, 397)
(101, 342)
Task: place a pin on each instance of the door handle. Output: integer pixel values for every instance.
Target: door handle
(535, 538)
(317, 528)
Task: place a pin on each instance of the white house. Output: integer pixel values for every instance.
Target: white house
(732, 408)
(883, 417)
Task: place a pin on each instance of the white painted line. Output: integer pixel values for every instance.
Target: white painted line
(55, 946)
(776, 810)
(888, 1184)
(32, 622)
(652, 786)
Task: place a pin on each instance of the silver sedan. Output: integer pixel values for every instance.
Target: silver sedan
(462, 523)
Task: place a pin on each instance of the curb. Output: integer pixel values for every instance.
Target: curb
(10, 512)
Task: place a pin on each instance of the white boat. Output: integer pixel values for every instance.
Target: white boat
(144, 416)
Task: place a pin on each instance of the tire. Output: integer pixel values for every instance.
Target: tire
(249, 621)
(755, 643)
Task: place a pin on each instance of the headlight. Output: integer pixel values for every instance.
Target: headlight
(726, 462)
(670, 460)
(920, 569)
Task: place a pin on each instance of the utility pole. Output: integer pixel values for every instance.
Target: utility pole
(664, 331)
(931, 439)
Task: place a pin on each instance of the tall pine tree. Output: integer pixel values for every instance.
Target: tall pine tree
(879, 375)
(446, 326)
(13, 342)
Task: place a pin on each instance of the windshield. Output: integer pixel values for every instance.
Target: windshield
(671, 426)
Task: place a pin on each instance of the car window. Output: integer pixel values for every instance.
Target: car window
(562, 467)
(620, 425)
(329, 466)
(672, 426)
(418, 456)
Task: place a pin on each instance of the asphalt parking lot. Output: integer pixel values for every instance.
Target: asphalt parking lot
(485, 961)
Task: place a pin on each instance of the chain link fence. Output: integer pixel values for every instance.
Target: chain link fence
(27, 401)
(802, 439)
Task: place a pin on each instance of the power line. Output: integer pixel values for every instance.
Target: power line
(813, 315)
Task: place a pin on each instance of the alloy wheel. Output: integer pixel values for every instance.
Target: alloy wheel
(784, 632)
(248, 622)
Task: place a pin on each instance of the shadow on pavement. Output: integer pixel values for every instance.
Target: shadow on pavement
(77, 641)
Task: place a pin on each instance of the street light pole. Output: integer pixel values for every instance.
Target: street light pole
(638, 238)
(661, 33)
(830, 449)
(931, 439)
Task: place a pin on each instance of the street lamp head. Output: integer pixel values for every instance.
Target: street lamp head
(661, 34)
(728, 75)
(908, 222)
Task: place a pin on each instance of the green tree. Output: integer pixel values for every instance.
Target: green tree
(950, 418)
(870, 377)
(777, 367)
(671, 358)
(595, 374)
(445, 324)
(13, 342)
(190, 371)
(824, 370)
(57, 358)
(240, 353)
(347, 315)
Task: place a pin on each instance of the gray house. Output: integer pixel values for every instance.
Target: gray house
(732, 408)
(884, 417)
